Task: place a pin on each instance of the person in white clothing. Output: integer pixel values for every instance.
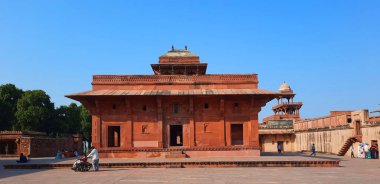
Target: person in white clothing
(366, 151)
(359, 151)
(95, 158)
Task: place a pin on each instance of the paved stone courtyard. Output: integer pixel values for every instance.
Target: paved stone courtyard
(351, 171)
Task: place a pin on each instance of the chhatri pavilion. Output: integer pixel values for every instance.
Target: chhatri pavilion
(180, 110)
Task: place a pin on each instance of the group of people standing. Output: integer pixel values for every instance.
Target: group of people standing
(365, 151)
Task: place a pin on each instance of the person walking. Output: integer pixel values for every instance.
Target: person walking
(279, 149)
(313, 151)
(95, 158)
(352, 151)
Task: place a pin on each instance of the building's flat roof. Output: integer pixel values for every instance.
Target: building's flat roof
(173, 92)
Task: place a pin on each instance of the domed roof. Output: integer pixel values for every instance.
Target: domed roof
(285, 88)
(179, 53)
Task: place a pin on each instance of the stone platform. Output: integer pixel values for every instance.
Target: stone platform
(289, 160)
(196, 152)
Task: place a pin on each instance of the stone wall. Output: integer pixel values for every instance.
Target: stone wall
(371, 133)
(43, 147)
(330, 133)
(47, 147)
(145, 121)
(328, 141)
(331, 141)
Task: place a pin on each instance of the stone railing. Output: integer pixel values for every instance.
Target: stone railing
(174, 79)
(372, 123)
(21, 133)
(287, 103)
(10, 132)
(314, 129)
(275, 126)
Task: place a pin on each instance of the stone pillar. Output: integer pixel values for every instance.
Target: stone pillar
(103, 134)
(96, 131)
(97, 123)
(159, 121)
(191, 122)
(128, 132)
(116, 139)
(253, 123)
(222, 119)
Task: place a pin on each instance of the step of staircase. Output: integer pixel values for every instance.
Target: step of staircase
(346, 146)
(175, 154)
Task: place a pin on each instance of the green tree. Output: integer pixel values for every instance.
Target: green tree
(86, 124)
(34, 112)
(68, 119)
(9, 95)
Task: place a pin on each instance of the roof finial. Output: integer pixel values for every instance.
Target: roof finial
(185, 47)
(172, 47)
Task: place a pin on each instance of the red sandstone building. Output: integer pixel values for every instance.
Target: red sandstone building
(179, 108)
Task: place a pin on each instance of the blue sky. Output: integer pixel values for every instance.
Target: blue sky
(328, 52)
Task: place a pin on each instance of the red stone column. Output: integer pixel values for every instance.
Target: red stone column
(129, 133)
(254, 109)
(96, 131)
(191, 122)
(160, 123)
(254, 132)
(98, 125)
(222, 119)
(103, 134)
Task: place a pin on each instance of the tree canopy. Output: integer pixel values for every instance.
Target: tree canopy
(33, 111)
(9, 95)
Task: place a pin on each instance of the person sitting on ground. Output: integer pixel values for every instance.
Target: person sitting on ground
(23, 159)
(64, 153)
(76, 154)
(58, 156)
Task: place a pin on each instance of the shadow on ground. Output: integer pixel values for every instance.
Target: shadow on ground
(301, 154)
(4, 173)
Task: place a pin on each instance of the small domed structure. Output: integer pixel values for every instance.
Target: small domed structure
(285, 88)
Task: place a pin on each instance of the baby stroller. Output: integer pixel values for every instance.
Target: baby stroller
(81, 165)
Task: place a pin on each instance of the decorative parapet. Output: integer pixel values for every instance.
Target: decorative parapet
(340, 127)
(175, 79)
(21, 133)
(275, 126)
(371, 123)
(283, 104)
(281, 117)
(328, 122)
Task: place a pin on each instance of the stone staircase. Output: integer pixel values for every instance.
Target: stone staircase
(176, 154)
(348, 144)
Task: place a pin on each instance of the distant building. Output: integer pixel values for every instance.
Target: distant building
(277, 130)
(36, 144)
(334, 133)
